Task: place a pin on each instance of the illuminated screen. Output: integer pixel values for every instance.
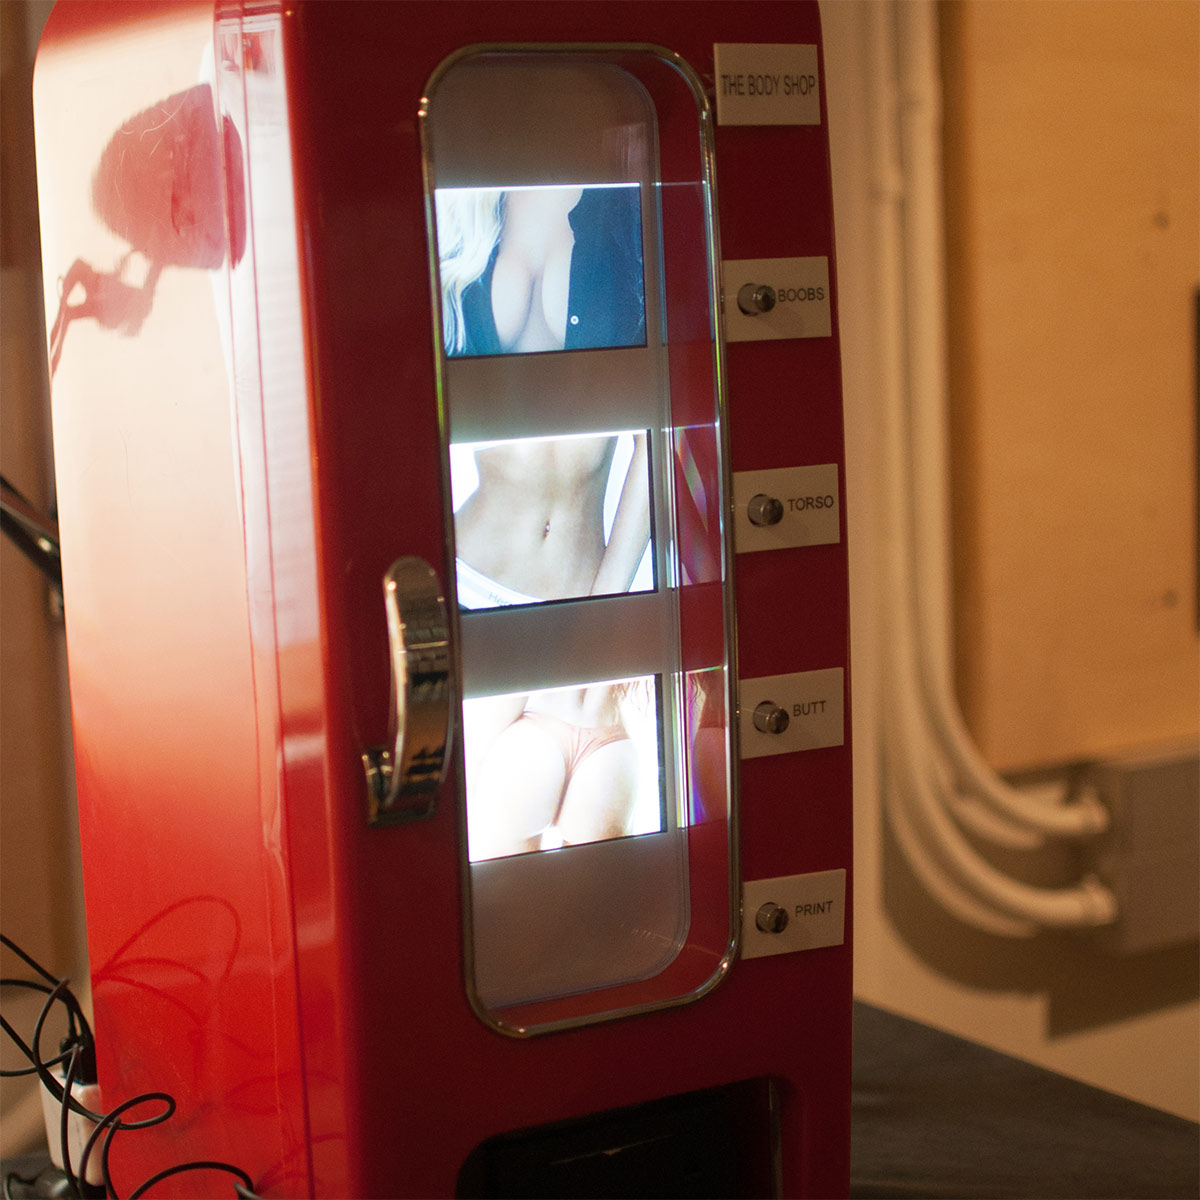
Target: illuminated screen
(562, 766)
(525, 270)
(551, 518)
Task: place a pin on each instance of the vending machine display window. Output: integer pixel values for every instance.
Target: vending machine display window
(563, 766)
(541, 268)
(572, 235)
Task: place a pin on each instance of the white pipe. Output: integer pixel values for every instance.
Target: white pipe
(924, 313)
(1085, 904)
(955, 873)
(925, 828)
(920, 735)
(898, 534)
(980, 819)
(1084, 817)
(911, 767)
(955, 900)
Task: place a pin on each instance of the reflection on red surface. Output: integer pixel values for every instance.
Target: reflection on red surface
(708, 791)
(170, 183)
(698, 507)
(158, 183)
(106, 298)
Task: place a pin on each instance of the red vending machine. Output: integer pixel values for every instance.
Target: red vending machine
(448, 433)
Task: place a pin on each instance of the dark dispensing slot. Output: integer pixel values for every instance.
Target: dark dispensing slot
(720, 1142)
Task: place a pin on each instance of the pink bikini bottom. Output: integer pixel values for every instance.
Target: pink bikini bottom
(577, 742)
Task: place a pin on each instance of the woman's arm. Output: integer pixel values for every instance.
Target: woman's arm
(630, 529)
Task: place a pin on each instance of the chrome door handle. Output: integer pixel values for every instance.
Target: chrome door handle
(403, 778)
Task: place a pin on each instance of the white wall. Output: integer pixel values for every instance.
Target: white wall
(1131, 1026)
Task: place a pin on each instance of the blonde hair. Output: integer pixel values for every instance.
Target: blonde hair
(469, 221)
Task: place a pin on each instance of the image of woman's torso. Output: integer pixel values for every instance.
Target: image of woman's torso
(536, 521)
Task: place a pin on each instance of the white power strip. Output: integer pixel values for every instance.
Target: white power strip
(79, 1128)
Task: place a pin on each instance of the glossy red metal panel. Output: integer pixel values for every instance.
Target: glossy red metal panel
(189, 910)
(263, 628)
(357, 170)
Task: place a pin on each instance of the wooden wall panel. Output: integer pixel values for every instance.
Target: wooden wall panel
(36, 883)
(39, 862)
(1072, 139)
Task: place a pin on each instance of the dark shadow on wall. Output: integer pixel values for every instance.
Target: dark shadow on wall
(1087, 987)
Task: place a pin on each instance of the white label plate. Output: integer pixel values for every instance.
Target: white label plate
(801, 287)
(816, 907)
(811, 512)
(814, 702)
(766, 84)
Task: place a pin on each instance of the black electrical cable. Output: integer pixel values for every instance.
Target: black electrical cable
(31, 532)
(193, 1166)
(13, 1072)
(75, 1013)
(61, 1094)
(76, 1049)
(110, 1124)
(6, 482)
(15, 1038)
(64, 1122)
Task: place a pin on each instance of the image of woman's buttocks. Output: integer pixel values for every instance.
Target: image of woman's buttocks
(560, 767)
